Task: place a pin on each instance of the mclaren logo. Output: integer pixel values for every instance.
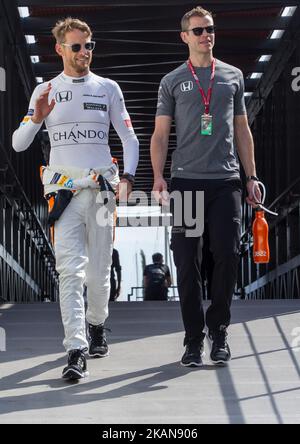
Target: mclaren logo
(63, 96)
(187, 86)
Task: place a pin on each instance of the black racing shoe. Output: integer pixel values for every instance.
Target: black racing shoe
(98, 346)
(193, 354)
(76, 368)
(220, 351)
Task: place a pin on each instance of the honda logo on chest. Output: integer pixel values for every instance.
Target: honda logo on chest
(187, 86)
(63, 96)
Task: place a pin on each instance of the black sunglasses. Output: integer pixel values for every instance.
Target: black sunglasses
(76, 47)
(199, 30)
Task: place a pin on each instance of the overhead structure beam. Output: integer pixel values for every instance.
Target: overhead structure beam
(247, 44)
(275, 68)
(15, 34)
(155, 24)
(117, 3)
(125, 49)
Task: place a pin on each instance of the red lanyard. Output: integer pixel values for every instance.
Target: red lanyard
(206, 99)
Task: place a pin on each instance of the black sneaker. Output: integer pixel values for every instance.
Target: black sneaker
(220, 351)
(192, 356)
(76, 368)
(98, 345)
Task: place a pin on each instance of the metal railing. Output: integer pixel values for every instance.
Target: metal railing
(140, 297)
(27, 262)
(171, 297)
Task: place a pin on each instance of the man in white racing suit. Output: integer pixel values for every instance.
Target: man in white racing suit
(77, 107)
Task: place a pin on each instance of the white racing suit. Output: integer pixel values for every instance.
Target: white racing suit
(78, 129)
(83, 251)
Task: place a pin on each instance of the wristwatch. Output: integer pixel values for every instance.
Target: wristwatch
(248, 178)
(128, 177)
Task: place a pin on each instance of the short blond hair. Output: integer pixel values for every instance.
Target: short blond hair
(195, 12)
(67, 25)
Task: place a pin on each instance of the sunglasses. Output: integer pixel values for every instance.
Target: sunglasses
(199, 31)
(76, 47)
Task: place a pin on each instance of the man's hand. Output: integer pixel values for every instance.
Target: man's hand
(118, 291)
(254, 194)
(42, 108)
(160, 191)
(124, 188)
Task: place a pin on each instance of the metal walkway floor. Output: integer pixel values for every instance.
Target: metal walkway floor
(142, 381)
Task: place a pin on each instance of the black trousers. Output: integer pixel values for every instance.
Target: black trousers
(222, 214)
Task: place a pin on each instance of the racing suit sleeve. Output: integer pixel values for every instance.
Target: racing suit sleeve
(121, 122)
(23, 136)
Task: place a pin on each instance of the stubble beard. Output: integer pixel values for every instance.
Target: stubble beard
(81, 69)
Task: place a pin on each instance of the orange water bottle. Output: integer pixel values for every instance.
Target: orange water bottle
(260, 231)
